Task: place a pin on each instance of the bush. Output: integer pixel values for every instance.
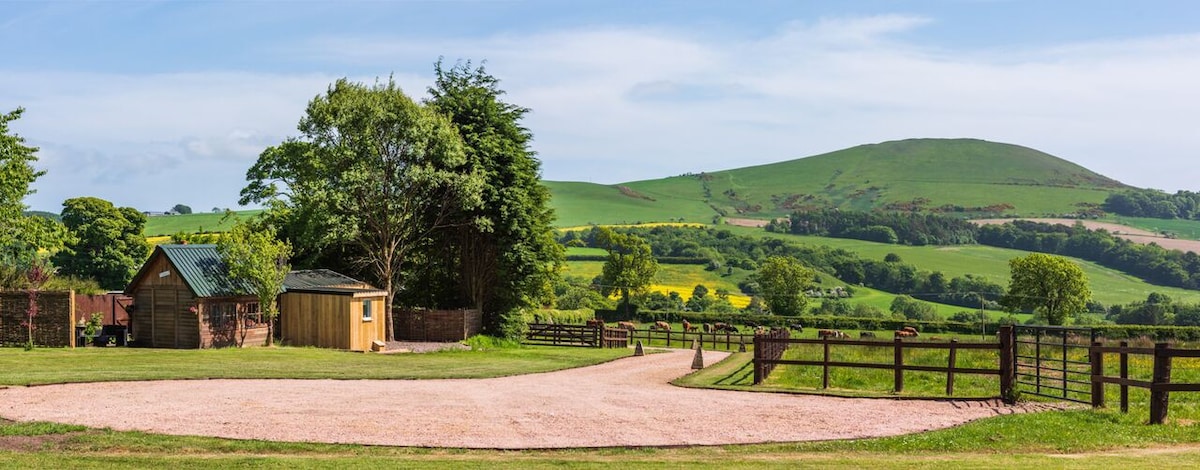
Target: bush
(484, 343)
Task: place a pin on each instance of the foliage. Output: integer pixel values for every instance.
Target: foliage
(36, 275)
(259, 259)
(782, 283)
(106, 242)
(489, 343)
(910, 308)
(1052, 286)
(1152, 263)
(572, 293)
(1154, 203)
(500, 255)
(909, 228)
(181, 209)
(630, 266)
(21, 234)
(374, 177)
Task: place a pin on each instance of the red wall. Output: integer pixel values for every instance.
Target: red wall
(114, 314)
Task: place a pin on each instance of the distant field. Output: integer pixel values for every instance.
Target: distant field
(577, 204)
(1186, 229)
(1108, 285)
(191, 223)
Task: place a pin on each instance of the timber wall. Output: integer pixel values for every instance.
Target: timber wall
(54, 325)
(329, 321)
(437, 325)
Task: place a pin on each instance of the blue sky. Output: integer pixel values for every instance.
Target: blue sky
(149, 104)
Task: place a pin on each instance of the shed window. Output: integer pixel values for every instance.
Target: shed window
(220, 315)
(253, 316)
(367, 310)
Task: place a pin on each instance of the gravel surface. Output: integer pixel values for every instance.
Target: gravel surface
(627, 402)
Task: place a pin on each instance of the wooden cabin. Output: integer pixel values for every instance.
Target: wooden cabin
(183, 298)
(325, 309)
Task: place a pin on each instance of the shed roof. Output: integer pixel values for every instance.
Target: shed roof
(202, 270)
(319, 278)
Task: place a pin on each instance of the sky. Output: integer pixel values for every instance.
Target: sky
(150, 104)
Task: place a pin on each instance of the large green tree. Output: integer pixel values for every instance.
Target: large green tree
(105, 242)
(21, 235)
(630, 267)
(374, 176)
(782, 283)
(1051, 286)
(503, 251)
(255, 256)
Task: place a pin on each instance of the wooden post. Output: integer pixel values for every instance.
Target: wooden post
(1097, 360)
(1124, 376)
(1007, 363)
(825, 363)
(898, 366)
(757, 361)
(1162, 375)
(1037, 360)
(950, 368)
(1064, 363)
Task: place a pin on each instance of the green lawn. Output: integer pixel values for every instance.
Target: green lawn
(47, 366)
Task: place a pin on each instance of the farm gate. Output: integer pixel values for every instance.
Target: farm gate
(1054, 362)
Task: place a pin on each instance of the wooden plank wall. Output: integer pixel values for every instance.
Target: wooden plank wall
(309, 319)
(437, 325)
(363, 333)
(161, 318)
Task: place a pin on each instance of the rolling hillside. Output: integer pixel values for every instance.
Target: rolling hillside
(963, 172)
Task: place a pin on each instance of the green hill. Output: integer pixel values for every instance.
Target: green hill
(972, 174)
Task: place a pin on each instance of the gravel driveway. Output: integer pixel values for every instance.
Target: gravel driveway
(627, 402)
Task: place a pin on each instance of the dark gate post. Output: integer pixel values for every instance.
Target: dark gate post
(825, 363)
(758, 351)
(1124, 376)
(950, 369)
(1162, 376)
(1007, 363)
(1097, 360)
(899, 365)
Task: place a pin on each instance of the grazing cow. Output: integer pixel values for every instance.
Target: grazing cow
(759, 330)
(866, 334)
(905, 333)
(687, 326)
(935, 338)
(625, 325)
(832, 334)
(595, 323)
(662, 325)
(911, 330)
(750, 324)
(728, 328)
(796, 326)
(709, 328)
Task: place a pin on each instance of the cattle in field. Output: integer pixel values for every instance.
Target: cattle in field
(719, 327)
(595, 323)
(661, 325)
(866, 334)
(912, 331)
(905, 333)
(832, 334)
(796, 326)
(625, 325)
(688, 326)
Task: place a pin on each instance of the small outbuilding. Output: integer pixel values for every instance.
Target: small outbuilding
(183, 298)
(326, 309)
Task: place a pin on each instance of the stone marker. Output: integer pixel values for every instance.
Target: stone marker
(637, 350)
(695, 345)
(698, 361)
(742, 346)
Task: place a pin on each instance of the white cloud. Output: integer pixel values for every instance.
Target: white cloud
(614, 104)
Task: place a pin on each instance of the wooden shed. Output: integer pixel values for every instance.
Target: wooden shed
(325, 309)
(183, 298)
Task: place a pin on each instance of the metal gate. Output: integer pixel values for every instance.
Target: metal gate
(1053, 362)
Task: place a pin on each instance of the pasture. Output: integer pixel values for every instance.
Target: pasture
(1182, 228)
(192, 223)
(1109, 286)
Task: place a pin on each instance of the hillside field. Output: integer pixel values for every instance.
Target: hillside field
(191, 223)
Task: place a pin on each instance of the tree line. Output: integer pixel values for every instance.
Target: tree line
(1154, 203)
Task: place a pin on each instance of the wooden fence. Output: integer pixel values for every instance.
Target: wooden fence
(766, 362)
(1160, 384)
(713, 341)
(551, 334)
(768, 351)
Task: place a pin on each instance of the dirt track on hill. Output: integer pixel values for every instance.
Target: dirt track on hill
(622, 403)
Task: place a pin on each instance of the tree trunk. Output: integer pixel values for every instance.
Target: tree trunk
(387, 310)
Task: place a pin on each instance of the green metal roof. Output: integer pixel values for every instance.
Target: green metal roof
(318, 278)
(202, 269)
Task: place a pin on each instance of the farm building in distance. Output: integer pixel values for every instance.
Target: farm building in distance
(183, 298)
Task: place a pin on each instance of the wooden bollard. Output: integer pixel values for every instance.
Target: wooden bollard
(637, 350)
(742, 345)
(698, 361)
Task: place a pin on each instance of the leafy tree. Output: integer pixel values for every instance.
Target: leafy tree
(374, 177)
(21, 235)
(1052, 286)
(36, 276)
(913, 309)
(106, 242)
(255, 256)
(630, 266)
(181, 209)
(699, 301)
(783, 281)
(504, 249)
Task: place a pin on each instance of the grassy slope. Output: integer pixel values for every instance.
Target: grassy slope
(1186, 229)
(1108, 285)
(190, 223)
(965, 172)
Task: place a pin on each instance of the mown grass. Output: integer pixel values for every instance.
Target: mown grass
(48, 366)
